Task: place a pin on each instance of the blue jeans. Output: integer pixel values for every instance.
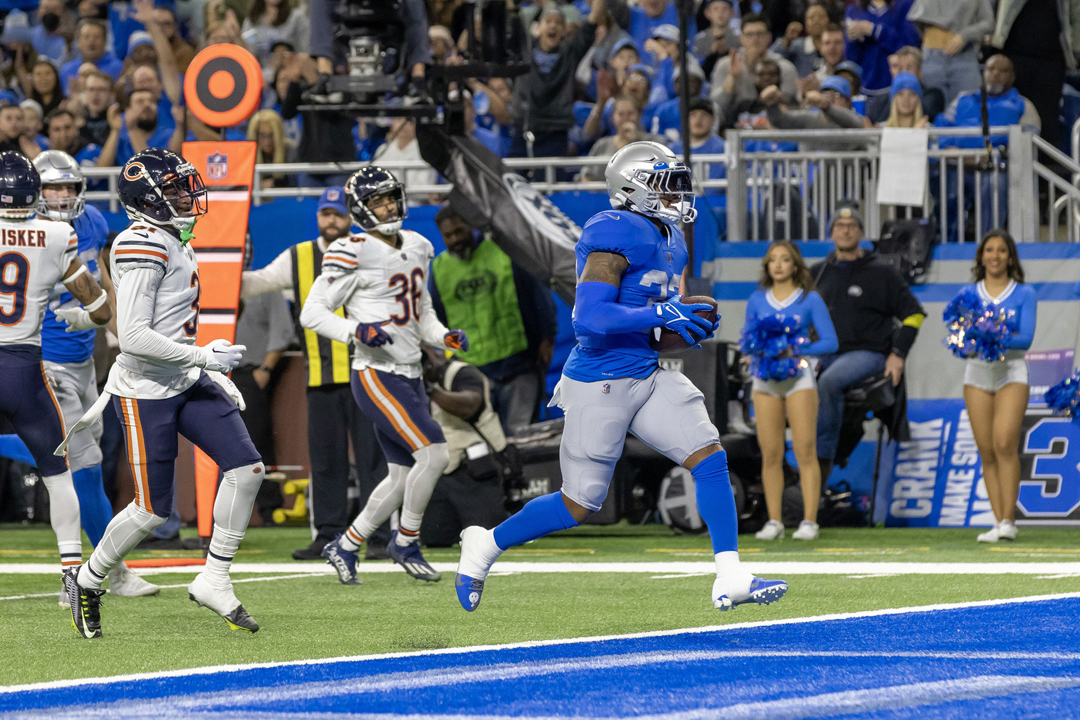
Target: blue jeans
(838, 373)
(951, 74)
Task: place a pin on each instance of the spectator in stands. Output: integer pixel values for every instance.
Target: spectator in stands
(32, 123)
(63, 134)
(668, 116)
(401, 145)
(626, 120)
(488, 138)
(648, 14)
(833, 103)
(165, 18)
(270, 21)
(442, 44)
(804, 52)
(664, 46)
(875, 30)
(1041, 38)
(50, 36)
(703, 140)
(733, 74)
(267, 129)
(470, 491)
(951, 33)
(97, 96)
(11, 137)
(324, 135)
(91, 42)
(610, 34)
(638, 87)
(909, 60)
(19, 54)
(475, 286)
(736, 112)
(134, 127)
(906, 107)
(876, 319)
(44, 86)
(831, 50)
(624, 56)
(719, 39)
(542, 108)
(1005, 106)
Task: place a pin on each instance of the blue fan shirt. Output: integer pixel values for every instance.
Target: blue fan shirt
(657, 260)
(805, 309)
(58, 345)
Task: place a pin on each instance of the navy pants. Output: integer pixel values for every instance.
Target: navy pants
(27, 401)
(204, 414)
(398, 407)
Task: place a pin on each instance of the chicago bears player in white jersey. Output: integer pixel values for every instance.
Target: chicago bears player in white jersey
(35, 254)
(67, 346)
(162, 384)
(380, 277)
(630, 263)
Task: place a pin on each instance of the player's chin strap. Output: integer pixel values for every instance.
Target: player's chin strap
(92, 415)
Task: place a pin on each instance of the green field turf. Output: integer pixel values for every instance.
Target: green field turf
(315, 617)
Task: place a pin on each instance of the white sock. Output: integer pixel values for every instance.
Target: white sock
(431, 460)
(232, 512)
(124, 532)
(381, 504)
(64, 516)
(731, 575)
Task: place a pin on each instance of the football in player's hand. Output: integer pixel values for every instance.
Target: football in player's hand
(670, 340)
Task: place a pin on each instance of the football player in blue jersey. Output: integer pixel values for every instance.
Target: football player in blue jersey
(630, 263)
(67, 347)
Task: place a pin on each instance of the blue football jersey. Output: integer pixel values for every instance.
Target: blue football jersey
(657, 260)
(57, 345)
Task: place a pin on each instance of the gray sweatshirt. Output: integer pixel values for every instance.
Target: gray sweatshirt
(970, 19)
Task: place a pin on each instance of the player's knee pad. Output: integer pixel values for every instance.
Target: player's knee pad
(247, 477)
(434, 457)
(146, 519)
(84, 455)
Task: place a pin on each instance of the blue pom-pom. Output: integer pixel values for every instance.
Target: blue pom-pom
(977, 329)
(764, 339)
(1064, 398)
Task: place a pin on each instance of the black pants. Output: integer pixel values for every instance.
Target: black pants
(334, 419)
(260, 426)
(1039, 79)
(458, 502)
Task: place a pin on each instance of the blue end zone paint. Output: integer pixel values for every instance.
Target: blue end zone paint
(956, 662)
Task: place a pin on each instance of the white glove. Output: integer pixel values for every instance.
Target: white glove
(76, 318)
(220, 355)
(229, 387)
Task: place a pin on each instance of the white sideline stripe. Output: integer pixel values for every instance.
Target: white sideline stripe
(1066, 569)
(211, 669)
(168, 587)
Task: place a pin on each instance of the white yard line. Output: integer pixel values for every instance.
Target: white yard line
(209, 670)
(758, 567)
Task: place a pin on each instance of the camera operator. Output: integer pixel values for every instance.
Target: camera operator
(416, 52)
(470, 491)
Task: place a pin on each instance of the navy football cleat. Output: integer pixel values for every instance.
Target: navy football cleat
(762, 592)
(342, 560)
(469, 591)
(410, 558)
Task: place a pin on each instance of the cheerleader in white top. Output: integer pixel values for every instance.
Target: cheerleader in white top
(787, 290)
(996, 393)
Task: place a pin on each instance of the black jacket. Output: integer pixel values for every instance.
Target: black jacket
(868, 301)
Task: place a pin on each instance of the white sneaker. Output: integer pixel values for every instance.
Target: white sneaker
(807, 531)
(773, 530)
(222, 601)
(123, 582)
(991, 535)
(1006, 530)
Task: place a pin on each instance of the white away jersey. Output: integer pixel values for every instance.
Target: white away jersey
(34, 255)
(377, 283)
(157, 313)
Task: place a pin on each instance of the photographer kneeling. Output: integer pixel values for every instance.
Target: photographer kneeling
(470, 492)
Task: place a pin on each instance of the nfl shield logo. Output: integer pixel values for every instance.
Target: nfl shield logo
(217, 166)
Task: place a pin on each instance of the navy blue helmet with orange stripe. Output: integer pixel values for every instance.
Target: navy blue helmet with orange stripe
(160, 187)
(367, 188)
(20, 186)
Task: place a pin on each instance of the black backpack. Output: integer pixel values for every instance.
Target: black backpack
(908, 245)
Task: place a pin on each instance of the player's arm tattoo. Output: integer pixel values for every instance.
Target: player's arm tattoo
(86, 290)
(604, 267)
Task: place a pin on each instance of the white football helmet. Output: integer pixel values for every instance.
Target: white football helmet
(56, 167)
(641, 173)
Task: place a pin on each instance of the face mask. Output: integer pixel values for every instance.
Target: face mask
(50, 21)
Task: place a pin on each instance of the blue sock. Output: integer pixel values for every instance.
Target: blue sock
(541, 516)
(94, 506)
(716, 502)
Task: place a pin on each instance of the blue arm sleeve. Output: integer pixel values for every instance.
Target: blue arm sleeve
(1025, 335)
(598, 312)
(819, 317)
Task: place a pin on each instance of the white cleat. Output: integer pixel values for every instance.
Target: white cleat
(222, 601)
(991, 535)
(123, 582)
(759, 591)
(478, 553)
(773, 530)
(1006, 530)
(807, 531)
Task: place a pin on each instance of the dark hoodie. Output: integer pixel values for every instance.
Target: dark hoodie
(871, 306)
